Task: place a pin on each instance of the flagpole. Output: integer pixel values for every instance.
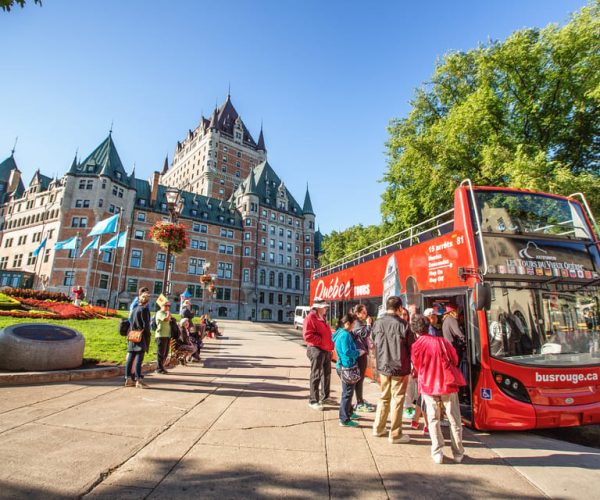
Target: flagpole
(95, 275)
(75, 255)
(112, 272)
(123, 254)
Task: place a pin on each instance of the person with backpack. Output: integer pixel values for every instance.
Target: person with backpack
(140, 320)
(163, 336)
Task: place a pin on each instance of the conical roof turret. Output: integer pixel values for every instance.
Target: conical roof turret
(261, 141)
(307, 207)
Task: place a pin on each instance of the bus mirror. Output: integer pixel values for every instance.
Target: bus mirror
(483, 296)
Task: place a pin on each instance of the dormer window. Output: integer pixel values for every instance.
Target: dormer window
(118, 174)
(90, 168)
(194, 212)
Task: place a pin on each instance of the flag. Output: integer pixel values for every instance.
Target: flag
(70, 244)
(93, 244)
(161, 300)
(105, 226)
(115, 242)
(42, 245)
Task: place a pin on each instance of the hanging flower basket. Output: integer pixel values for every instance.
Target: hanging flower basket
(211, 288)
(167, 234)
(206, 278)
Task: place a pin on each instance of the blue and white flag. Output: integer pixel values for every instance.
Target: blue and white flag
(70, 244)
(38, 249)
(115, 242)
(105, 226)
(93, 244)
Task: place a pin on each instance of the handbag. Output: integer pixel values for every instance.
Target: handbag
(124, 327)
(135, 336)
(452, 375)
(350, 375)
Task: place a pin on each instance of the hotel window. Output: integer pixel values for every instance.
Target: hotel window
(246, 276)
(161, 258)
(132, 285)
(103, 281)
(141, 216)
(224, 270)
(17, 260)
(69, 279)
(136, 258)
(139, 234)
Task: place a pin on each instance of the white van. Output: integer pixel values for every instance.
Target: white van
(299, 315)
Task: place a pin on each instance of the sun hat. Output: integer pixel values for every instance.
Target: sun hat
(450, 308)
(319, 303)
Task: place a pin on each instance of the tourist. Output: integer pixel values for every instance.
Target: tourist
(163, 336)
(348, 355)
(136, 301)
(452, 332)
(392, 339)
(140, 320)
(317, 335)
(432, 358)
(433, 319)
(185, 342)
(361, 333)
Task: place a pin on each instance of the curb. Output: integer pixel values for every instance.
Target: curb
(25, 378)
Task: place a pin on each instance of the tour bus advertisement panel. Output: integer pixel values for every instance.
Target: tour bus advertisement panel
(429, 265)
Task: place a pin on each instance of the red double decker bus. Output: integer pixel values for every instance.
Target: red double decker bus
(524, 269)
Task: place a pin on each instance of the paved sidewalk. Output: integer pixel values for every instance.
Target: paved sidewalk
(239, 427)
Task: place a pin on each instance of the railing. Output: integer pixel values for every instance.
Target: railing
(589, 212)
(430, 228)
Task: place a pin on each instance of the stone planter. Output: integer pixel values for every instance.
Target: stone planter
(40, 347)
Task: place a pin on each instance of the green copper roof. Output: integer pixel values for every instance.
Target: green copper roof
(6, 166)
(104, 160)
(307, 207)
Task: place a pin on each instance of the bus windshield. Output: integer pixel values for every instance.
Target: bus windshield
(537, 327)
(511, 212)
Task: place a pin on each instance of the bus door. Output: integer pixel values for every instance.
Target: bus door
(442, 303)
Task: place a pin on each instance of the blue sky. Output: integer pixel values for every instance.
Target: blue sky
(324, 77)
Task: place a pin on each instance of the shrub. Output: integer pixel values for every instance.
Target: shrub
(28, 293)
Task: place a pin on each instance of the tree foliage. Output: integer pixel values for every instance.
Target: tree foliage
(523, 113)
(6, 5)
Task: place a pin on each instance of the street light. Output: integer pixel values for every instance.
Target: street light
(205, 280)
(175, 206)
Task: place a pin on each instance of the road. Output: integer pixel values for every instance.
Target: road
(238, 426)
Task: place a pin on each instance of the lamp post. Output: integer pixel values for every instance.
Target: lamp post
(206, 281)
(175, 206)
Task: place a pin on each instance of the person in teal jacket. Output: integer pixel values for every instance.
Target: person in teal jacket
(347, 355)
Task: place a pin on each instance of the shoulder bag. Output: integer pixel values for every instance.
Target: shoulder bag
(452, 375)
(135, 336)
(350, 375)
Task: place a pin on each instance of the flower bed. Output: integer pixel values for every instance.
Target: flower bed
(44, 309)
(26, 293)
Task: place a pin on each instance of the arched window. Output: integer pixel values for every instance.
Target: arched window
(289, 281)
(297, 283)
(280, 280)
(272, 278)
(262, 277)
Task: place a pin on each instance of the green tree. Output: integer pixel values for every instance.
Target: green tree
(521, 113)
(6, 5)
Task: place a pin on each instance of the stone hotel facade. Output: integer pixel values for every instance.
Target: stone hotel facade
(260, 242)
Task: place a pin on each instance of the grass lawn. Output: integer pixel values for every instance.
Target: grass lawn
(103, 344)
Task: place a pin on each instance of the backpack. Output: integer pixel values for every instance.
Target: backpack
(153, 324)
(124, 327)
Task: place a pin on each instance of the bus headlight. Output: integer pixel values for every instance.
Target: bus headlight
(511, 387)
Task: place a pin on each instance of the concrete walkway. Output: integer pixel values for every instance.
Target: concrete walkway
(239, 427)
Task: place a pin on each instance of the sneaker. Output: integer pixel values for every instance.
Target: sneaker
(316, 406)
(459, 458)
(414, 425)
(408, 413)
(350, 423)
(140, 384)
(329, 401)
(365, 408)
(405, 438)
(379, 434)
(425, 430)
(129, 382)
(438, 458)
(354, 416)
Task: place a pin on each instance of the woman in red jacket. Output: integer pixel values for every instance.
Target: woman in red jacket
(432, 357)
(317, 335)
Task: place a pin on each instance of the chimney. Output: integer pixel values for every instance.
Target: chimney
(13, 180)
(154, 192)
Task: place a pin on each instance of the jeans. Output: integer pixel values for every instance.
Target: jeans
(346, 400)
(135, 359)
(162, 351)
(320, 373)
(393, 390)
(452, 407)
(358, 387)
